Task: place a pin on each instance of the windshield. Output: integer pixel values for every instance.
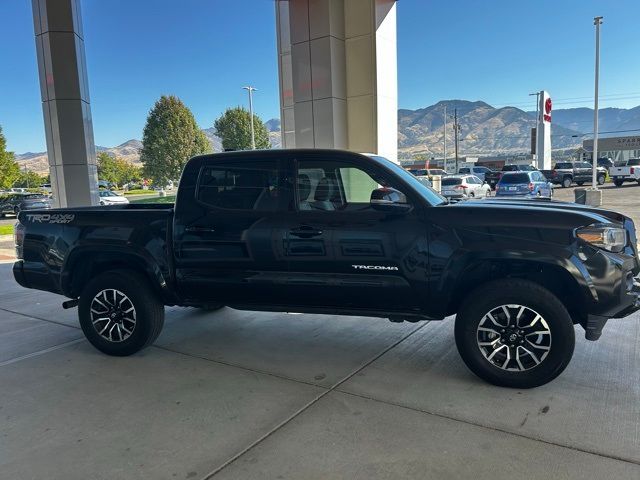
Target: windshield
(429, 194)
(564, 166)
(513, 178)
(106, 193)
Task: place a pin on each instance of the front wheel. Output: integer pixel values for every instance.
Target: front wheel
(566, 182)
(119, 312)
(514, 333)
(601, 179)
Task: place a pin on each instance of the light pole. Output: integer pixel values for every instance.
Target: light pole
(253, 137)
(444, 162)
(597, 21)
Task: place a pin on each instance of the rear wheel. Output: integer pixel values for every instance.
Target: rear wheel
(618, 183)
(119, 313)
(514, 333)
(566, 182)
(580, 183)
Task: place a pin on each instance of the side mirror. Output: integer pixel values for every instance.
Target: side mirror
(385, 199)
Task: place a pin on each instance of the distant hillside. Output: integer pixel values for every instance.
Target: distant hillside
(609, 119)
(484, 129)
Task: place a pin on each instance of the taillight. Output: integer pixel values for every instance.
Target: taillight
(632, 171)
(464, 187)
(531, 187)
(18, 236)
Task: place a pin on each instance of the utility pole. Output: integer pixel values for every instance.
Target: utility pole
(597, 21)
(444, 164)
(456, 129)
(253, 137)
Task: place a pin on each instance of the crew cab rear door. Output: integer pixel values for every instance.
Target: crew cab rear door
(228, 231)
(342, 253)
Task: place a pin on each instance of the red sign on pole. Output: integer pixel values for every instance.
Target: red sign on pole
(547, 110)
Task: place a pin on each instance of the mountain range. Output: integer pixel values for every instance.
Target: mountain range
(484, 130)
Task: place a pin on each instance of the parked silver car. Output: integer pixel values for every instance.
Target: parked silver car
(461, 187)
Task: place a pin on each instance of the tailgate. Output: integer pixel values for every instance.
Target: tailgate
(619, 171)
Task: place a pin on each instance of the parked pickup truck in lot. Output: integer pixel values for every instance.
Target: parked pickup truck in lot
(493, 177)
(326, 231)
(628, 171)
(566, 173)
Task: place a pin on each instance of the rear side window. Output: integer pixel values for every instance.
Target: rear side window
(513, 178)
(451, 181)
(244, 185)
(564, 166)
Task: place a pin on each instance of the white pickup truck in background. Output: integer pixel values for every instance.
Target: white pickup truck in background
(628, 171)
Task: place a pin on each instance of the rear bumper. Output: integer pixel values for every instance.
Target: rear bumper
(18, 274)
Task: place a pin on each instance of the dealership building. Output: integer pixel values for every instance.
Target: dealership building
(618, 149)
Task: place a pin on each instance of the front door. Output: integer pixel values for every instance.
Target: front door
(229, 244)
(345, 253)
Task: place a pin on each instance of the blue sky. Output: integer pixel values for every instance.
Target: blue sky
(205, 51)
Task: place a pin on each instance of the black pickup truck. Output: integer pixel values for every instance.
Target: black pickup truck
(326, 231)
(566, 173)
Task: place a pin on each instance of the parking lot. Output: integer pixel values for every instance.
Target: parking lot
(245, 395)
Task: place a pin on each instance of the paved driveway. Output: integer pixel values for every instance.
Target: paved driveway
(244, 395)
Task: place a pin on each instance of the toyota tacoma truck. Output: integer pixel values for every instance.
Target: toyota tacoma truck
(327, 231)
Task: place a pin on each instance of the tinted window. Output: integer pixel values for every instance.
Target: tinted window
(513, 178)
(480, 170)
(451, 181)
(241, 185)
(464, 170)
(509, 168)
(634, 162)
(564, 166)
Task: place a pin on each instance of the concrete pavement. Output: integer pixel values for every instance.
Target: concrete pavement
(244, 395)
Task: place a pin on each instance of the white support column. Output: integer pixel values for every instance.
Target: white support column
(338, 74)
(543, 132)
(65, 102)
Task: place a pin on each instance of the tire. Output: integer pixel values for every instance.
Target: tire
(638, 181)
(601, 179)
(148, 313)
(580, 183)
(487, 193)
(566, 182)
(618, 183)
(525, 371)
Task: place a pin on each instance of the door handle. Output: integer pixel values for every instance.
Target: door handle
(305, 232)
(199, 229)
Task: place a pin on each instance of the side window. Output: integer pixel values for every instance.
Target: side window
(240, 185)
(335, 186)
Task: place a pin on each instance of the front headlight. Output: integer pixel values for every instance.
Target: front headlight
(610, 238)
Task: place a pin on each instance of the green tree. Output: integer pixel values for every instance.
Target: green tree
(29, 179)
(170, 137)
(9, 169)
(234, 129)
(117, 170)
